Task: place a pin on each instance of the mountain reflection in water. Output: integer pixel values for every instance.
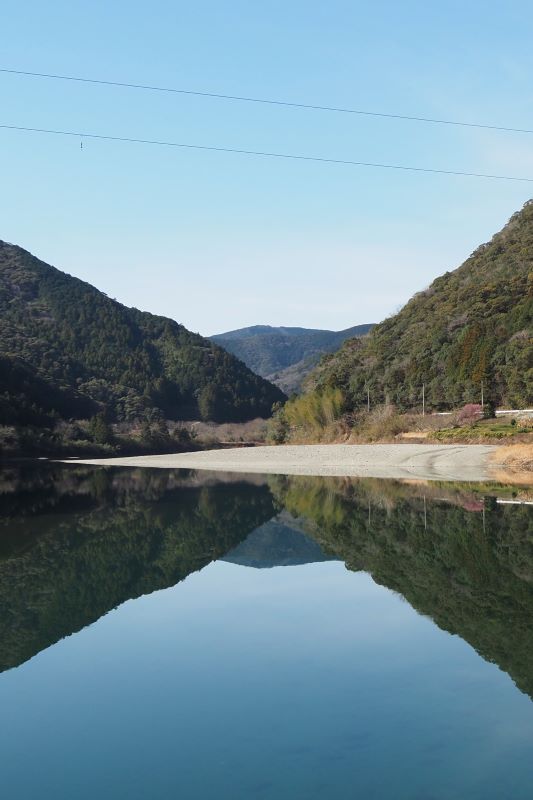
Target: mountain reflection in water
(76, 542)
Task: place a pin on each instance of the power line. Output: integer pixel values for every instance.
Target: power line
(264, 153)
(266, 101)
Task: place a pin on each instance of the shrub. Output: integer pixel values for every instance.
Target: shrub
(278, 427)
(383, 422)
(309, 416)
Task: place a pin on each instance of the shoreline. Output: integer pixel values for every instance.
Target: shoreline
(394, 461)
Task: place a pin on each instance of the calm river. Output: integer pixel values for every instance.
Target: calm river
(174, 634)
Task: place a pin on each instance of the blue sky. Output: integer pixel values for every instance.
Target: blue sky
(219, 241)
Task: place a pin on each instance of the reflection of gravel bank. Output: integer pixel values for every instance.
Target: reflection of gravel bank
(423, 461)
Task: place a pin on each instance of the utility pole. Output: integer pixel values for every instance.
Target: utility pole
(368, 398)
(423, 399)
(482, 403)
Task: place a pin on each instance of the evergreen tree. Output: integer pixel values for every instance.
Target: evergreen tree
(100, 430)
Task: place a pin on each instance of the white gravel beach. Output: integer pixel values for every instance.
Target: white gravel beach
(414, 461)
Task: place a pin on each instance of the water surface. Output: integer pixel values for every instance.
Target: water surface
(173, 634)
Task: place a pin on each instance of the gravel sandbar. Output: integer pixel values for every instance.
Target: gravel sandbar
(415, 461)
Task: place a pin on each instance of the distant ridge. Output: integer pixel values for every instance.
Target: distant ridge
(284, 355)
(254, 330)
(280, 542)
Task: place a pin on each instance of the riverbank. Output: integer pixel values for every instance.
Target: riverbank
(413, 461)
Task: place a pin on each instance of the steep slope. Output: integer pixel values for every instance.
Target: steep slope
(471, 326)
(68, 350)
(284, 355)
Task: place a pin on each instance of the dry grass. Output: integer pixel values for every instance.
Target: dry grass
(413, 435)
(514, 478)
(385, 424)
(212, 433)
(516, 456)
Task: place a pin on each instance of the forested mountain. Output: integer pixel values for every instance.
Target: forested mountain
(67, 350)
(284, 355)
(471, 326)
